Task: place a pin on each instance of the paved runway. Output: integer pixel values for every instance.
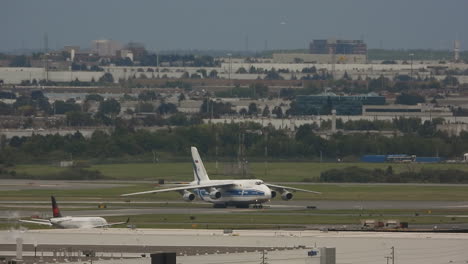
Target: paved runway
(10, 208)
(16, 185)
(352, 247)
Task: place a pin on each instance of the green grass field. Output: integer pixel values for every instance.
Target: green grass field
(274, 172)
(290, 173)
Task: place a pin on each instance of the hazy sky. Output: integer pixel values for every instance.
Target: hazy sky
(224, 24)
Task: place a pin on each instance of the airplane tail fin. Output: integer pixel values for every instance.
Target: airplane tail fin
(55, 209)
(199, 171)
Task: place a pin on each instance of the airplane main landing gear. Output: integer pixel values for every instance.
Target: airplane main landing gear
(242, 206)
(219, 206)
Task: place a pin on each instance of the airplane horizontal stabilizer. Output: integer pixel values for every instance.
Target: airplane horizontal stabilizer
(37, 222)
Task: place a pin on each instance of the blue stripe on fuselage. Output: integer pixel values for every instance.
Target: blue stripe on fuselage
(232, 192)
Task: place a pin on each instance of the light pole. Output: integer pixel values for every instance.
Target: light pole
(229, 71)
(230, 66)
(411, 73)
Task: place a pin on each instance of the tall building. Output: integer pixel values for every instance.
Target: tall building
(105, 47)
(332, 46)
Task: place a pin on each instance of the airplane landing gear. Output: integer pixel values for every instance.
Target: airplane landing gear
(242, 206)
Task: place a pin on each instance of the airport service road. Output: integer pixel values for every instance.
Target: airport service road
(13, 209)
(352, 247)
(17, 185)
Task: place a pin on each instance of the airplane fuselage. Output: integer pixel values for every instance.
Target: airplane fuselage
(222, 193)
(78, 222)
(242, 192)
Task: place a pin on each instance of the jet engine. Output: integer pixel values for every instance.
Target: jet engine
(286, 196)
(273, 194)
(188, 196)
(215, 194)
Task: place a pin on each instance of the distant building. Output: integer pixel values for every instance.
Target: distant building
(344, 105)
(406, 110)
(70, 48)
(105, 47)
(332, 46)
(125, 53)
(138, 49)
(319, 58)
(328, 52)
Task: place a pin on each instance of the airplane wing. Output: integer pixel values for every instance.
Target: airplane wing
(112, 224)
(183, 188)
(280, 188)
(39, 222)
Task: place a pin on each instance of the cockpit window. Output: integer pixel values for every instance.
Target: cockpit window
(259, 183)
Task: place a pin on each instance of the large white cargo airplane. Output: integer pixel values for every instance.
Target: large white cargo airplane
(223, 193)
(60, 221)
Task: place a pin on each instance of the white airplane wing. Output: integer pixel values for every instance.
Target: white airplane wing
(280, 188)
(183, 188)
(39, 222)
(112, 224)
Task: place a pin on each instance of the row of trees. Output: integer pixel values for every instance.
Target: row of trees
(225, 138)
(361, 175)
(320, 84)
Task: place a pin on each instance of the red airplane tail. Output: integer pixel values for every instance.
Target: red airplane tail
(55, 209)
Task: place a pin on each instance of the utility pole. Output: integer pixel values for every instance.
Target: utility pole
(212, 105)
(392, 256)
(157, 63)
(388, 257)
(229, 66)
(264, 257)
(216, 150)
(411, 75)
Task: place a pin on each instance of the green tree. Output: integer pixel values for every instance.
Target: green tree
(109, 107)
(5, 109)
(241, 70)
(410, 99)
(78, 119)
(147, 96)
(106, 78)
(167, 108)
(278, 111)
(145, 107)
(213, 74)
(20, 61)
(253, 110)
(266, 111)
(178, 119)
(94, 97)
(273, 75)
(202, 72)
(61, 107)
(450, 81)
(181, 97)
